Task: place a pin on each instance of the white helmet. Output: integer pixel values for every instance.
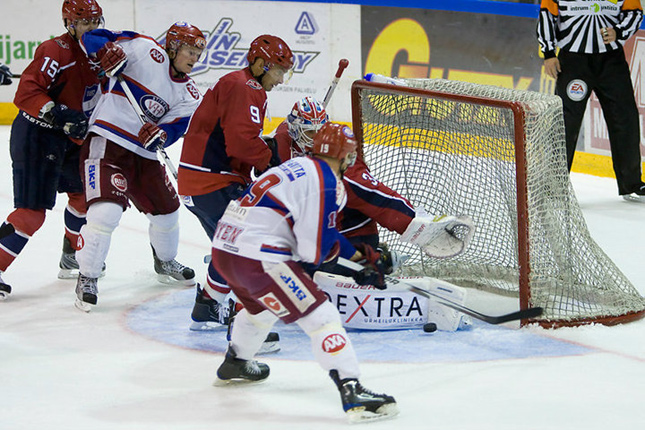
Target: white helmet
(306, 115)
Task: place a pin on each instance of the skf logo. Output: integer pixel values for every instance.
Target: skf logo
(119, 182)
(274, 305)
(157, 56)
(91, 174)
(193, 91)
(334, 343)
(295, 289)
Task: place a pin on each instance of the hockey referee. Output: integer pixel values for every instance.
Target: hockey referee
(590, 35)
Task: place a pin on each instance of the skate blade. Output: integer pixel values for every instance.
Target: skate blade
(73, 274)
(169, 280)
(234, 382)
(4, 295)
(82, 306)
(269, 348)
(207, 326)
(360, 415)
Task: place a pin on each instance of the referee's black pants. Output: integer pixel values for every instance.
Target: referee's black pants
(608, 76)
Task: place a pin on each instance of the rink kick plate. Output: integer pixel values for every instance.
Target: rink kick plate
(167, 318)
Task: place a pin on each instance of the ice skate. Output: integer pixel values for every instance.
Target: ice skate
(5, 289)
(637, 196)
(236, 370)
(68, 265)
(172, 272)
(87, 293)
(361, 404)
(208, 314)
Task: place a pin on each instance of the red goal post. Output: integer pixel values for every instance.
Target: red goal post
(496, 155)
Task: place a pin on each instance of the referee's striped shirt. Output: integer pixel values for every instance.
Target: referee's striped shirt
(574, 25)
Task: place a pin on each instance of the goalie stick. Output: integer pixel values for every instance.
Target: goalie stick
(342, 65)
(143, 118)
(395, 283)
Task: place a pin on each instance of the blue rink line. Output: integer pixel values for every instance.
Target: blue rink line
(167, 318)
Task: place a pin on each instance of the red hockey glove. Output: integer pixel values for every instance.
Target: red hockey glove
(374, 268)
(112, 58)
(150, 134)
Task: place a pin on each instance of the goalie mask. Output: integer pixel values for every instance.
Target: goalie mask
(335, 141)
(306, 118)
(182, 33)
(89, 10)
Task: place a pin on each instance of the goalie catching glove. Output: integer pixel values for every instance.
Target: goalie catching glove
(375, 268)
(440, 236)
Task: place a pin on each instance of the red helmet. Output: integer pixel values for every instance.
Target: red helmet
(306, 115)
(336, 141)
(182, 33)
(81, 9)
(272, 49)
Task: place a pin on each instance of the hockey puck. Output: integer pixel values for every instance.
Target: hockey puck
(430, 327)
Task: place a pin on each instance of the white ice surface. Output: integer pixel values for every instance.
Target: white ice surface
(64, 369)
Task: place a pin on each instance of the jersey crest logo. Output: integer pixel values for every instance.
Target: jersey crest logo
(274, 305)
(334, 343)
(154, 107)
(192, 90)
(90, 99)
(254, 84)
(62, 43)
(157, 56)
(119, 182)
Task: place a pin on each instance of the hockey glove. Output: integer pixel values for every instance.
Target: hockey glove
(374, 268)
(72, 122)
(112, 58)
(151, 135)
(5, 75)
(273, 146)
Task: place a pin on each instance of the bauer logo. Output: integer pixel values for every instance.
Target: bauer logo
(119, 182)
(225, 50)
(334, 343)
(577, 90)
(274, 305)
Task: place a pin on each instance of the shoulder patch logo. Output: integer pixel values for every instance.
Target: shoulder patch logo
(192, 90)
(156, 55)
(62, 43)
(254, 84)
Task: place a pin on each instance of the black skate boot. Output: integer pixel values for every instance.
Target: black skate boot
(68, 265)
(172, 272)
(361, 404)
(208, 314)
(234, 369)
(87, 292)
(5, 289)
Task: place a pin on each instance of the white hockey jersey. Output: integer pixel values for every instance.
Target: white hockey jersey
(168, 102)
(288, 213)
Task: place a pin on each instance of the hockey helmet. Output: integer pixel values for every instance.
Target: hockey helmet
(182, 33)
(336, 141)
(306, 115)
(81, 9)
(273, 50)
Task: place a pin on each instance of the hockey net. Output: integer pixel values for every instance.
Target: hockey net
(497, 155)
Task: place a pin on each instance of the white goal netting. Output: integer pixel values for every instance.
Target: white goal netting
(453, 148)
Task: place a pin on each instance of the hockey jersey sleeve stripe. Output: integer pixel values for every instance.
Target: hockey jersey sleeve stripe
(117, 131)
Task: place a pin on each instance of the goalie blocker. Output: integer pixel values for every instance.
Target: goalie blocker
(365, 307)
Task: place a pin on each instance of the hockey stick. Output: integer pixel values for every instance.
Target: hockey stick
(342, 65)
(143, 118)
(395, 283)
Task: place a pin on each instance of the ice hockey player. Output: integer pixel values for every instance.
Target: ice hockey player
(56, 95)
(221, 148)
(287, 218)
(119, 154)
(371, 203)
(5, 75)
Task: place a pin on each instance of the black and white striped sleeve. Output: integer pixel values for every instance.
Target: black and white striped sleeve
(546, 33)
(629, 22)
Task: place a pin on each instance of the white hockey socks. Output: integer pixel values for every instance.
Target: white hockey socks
(249, 331)
(330, 344)
(102, 219)
(164, 235)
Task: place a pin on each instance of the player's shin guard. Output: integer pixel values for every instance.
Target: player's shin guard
(164, 239)
(249, 332)
(102, 219)
(330, 344)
